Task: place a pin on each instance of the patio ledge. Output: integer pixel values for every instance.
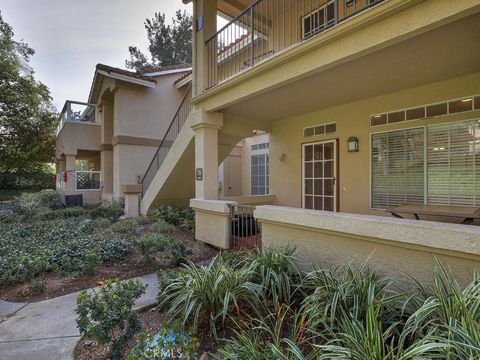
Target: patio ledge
(441, 238)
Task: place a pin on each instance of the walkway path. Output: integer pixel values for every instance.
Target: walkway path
(46, 330)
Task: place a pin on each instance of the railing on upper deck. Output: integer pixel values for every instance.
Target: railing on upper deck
(173, 130)
(75, 111)
(268, 26)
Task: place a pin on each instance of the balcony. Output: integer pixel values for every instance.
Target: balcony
(77, 112)
(267, 27)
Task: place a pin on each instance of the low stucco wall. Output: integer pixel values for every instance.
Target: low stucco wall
(212, 222)
(90, 197)
(395, 247)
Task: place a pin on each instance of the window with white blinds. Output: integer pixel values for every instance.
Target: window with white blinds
(453, 164)
(437, 164)
(398, 168)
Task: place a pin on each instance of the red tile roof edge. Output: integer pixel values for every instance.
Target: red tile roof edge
(119, 71)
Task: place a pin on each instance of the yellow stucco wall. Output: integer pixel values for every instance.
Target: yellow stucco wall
(354, 120)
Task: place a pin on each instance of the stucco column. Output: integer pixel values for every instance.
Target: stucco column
(70, 169)
(206, 126)
(204, 26)
(106, 166)
(131, 193)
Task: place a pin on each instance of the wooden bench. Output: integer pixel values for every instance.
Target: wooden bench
(469, 214)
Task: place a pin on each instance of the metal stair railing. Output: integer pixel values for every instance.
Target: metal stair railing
(173, 130)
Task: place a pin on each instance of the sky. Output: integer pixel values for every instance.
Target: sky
(71, 36)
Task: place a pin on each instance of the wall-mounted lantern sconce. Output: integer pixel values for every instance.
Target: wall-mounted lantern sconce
(352, 144)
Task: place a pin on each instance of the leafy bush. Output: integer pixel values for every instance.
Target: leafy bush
(170, 214)
(38, 286)
(179, 252)
(212, 292)
(171, 342)
(189, 219)
(45, 198)
(125, 226)
(149, 244)
(61, 214)
(101, 223)
(111, 210)
(91, 260)
(161, 226)
(106, 315)
(55, 245)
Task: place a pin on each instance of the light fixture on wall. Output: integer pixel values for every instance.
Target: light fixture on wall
(283, 157)
(352, 144)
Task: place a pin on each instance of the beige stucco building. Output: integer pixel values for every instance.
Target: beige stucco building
(362, 111)
(371, 106)
(105, 146)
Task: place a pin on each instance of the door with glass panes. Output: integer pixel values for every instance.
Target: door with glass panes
(319, 176)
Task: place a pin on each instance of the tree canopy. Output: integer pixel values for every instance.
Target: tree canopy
(27, 116)
(169, 44)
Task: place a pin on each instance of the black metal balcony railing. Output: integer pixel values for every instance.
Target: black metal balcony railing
(268, 26)
(173, 130)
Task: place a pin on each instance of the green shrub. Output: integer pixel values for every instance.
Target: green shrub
(161, 226)
(91, 260)
(171, 342)
(142, 220)
(170, 214)
(125, 226)
(149, 244)
(111, 210)
(38, 286)
(49, 198)
(211, 292)
(45, 198)
(106, 314)
(179, 252)
(61, 214)
(101, 223)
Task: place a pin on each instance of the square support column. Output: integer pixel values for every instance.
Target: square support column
(71, 176)
(204, 26)
(206, 126)
(132, 193)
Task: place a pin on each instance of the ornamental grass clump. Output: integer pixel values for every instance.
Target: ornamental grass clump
(457, 312)
(161, 226)
(277, 271)
(106, 314)
(213, 292)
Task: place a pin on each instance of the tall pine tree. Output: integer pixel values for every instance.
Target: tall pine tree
(169, 44)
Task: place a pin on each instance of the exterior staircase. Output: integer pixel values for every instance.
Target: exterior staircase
(169, 177)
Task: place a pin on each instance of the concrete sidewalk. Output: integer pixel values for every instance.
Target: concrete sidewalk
(46, 330)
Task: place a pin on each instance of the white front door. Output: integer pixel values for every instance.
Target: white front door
(319, 176)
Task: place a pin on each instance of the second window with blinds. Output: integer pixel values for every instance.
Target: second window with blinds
(437, 164)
